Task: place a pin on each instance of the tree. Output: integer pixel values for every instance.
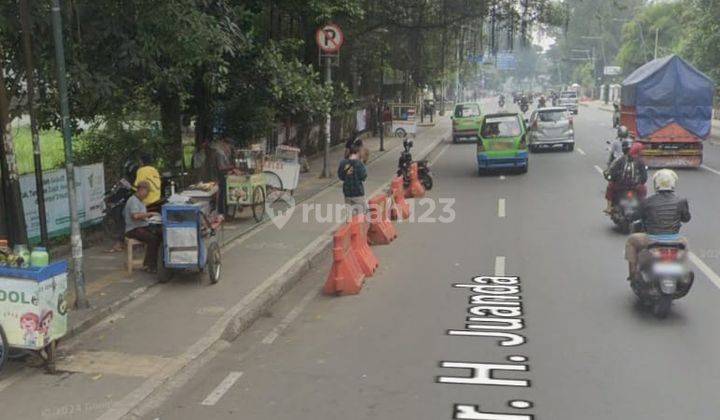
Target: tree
(701, 43)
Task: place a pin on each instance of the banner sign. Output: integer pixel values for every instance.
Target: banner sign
(90, 187)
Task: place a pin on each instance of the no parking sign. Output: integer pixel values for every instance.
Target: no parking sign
(329, 38)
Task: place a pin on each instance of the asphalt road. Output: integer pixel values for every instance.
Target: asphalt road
(577, 347)
(589, 351)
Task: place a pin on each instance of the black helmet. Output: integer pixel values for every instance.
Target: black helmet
(623, 132)
(626, 145)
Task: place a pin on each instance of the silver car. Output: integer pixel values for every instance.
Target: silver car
(551, 127)
(569, 100)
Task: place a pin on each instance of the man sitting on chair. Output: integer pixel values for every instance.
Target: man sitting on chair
(138, 228)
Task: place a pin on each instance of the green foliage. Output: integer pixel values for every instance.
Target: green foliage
(701, 42)
(51, 147)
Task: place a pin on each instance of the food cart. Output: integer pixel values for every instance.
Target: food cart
(33, 310)
(404, 119)
(282, 172)
(189, 242)
(246, 186)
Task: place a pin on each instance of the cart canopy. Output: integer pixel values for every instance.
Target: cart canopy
(668, 90)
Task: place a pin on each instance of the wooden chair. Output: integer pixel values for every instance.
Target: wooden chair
(130, 244)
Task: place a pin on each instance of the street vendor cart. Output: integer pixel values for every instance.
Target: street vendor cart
(246, 186)
(190, 242)
(404, 119)
(282, 172)
(33, 310)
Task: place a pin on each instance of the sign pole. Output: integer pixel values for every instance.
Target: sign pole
(326, 158)
(81, 301)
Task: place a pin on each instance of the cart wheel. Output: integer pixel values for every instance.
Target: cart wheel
(273, 181)
(163, 274)
(230, 210)
(400, 133)
(4, 348)
(214, 265)
(258, 206)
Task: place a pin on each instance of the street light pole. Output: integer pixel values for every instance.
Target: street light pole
(326, 158)
(381, 113)
(75, 238)
(30, 80)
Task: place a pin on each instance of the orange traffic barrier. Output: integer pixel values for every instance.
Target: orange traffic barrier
(359, 244)
(381, 231)
(400, 208)
(346, 277)
(415, 189)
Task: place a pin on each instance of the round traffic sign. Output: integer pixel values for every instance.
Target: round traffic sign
(329, 38)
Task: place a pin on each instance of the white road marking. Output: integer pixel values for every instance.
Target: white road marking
(290, 317)
(599, 169)
(707, 168)
(705, 269)
(581, 151)
(221, 389)
(432, 162)
(502, 177)
(501, 208)
(499, 266)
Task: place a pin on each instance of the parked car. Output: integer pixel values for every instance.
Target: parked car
(569, 100)
(502, 143)
(466, 121)
(551, 127)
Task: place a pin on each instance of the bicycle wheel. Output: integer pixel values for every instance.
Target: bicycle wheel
(4, 348)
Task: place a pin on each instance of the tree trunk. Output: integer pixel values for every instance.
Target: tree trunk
(170, 118)
(203, 101)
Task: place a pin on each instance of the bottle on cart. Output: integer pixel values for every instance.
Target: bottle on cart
(39, 257)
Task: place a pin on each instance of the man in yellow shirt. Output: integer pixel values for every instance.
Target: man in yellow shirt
(150, 175)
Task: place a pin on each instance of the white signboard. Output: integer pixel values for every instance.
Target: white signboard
(90, 187)
(612, 70)
(360, 120)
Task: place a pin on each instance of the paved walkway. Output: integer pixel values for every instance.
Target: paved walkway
(117, 362)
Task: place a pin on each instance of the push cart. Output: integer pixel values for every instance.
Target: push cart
(246, 188)
(190, 242)
(282, 172)
(33, 310)
(404, 120)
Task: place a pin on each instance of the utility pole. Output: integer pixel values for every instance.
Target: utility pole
(381, 112)
(30, 80)
(442, 61)
(326, 157)
(75, 237)
(11, 196)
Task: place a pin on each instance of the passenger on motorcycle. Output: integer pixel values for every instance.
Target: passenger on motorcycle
(628, 173)
(663, 213)
(616, 148)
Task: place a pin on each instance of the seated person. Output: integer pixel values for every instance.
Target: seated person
(137, 226)
(149, 174)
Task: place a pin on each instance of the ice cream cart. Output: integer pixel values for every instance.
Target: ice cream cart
(246, 186)
(33, 310)
(189, 242)
(404, 120)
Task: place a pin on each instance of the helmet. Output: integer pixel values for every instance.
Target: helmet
(665, 180)
(635, 149)
(626, 146)
(622, 132)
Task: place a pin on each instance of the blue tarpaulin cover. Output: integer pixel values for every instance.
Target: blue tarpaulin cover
(668, 90)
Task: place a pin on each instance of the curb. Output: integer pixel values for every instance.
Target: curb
(240, 317)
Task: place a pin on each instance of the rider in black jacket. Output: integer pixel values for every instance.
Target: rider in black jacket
(662, 214)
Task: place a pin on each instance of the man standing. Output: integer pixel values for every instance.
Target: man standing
(221, 163)
(137, 226)
(352, 173)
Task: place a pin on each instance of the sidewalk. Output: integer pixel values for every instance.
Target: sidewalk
(155, 331)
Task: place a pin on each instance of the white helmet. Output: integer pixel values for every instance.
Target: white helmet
(665, 180)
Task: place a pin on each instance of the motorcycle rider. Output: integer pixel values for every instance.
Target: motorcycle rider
(662, 214)
(627, 173)
(501, 100)
(616, 148)
(542, 101)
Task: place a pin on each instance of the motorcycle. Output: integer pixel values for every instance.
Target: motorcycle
(404, 163)
(624, 209)
(664, 275)
(115, 200)
(524, 106)
(501, 102)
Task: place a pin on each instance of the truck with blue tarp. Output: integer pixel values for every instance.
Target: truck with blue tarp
(667, 105)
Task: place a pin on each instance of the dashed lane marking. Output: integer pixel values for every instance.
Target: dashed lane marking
(599, 169)
(500, 266)
(502, 178)
(221, 389)
(581, 151)
(291, 316)
(707, 168)
(432, 162)
(501, 208)
(705, 269)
